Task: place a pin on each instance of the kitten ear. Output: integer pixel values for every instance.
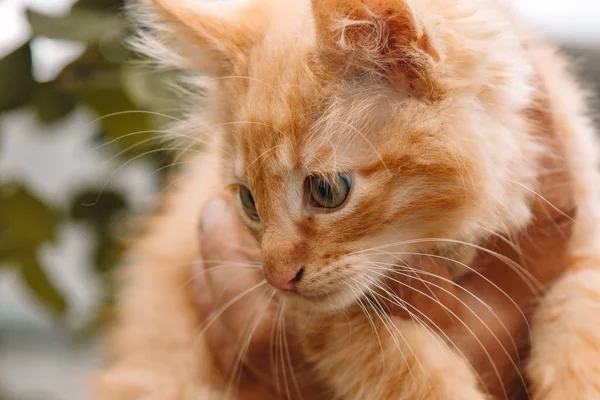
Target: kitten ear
(381, 36)
(208, 35)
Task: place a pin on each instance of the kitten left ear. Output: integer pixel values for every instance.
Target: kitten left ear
(210, 36)
(381, 36)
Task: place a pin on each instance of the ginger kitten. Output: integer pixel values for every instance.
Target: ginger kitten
(352, 134)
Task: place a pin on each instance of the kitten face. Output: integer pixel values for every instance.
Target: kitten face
(354, 136)
(335, 173)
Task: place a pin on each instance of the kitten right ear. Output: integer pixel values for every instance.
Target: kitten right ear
(211, 36)
(385, 37)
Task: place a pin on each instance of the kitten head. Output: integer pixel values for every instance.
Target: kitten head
(356, 133)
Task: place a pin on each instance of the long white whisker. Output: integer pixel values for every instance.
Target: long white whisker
(364, 310)
(488, 355)
(204, 271)
(478, 318)
(497, 255)
(116, 171)
(136, 112)
(280, 347)
(369, 143)
(478, 274)
(404, 305)
(561, 212)
(244, 349)
(153, 131)
(383, 317)
(232, 301)
(390, 267)
(289, 359)
(273, 361)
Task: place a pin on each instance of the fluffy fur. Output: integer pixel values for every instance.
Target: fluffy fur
(428, 104)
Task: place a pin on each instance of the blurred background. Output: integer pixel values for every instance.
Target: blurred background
(79, 156)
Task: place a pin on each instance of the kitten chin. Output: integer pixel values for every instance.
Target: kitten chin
(329, 303)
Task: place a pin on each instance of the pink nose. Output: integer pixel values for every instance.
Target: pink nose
(286, 281)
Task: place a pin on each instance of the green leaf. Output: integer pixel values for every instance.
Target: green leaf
(26, 222)
(16, 78)
(40, 285)
(151, 90)
(51, 103)
(80, 25)
(107, 5)
(90, 70)
(108, 254)
(98, 208)
(120, 119)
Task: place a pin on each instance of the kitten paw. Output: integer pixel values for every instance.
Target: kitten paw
(565, 355)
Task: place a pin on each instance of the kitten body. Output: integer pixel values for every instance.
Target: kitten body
(427, 105)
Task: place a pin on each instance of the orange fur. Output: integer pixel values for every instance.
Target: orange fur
(426, 103)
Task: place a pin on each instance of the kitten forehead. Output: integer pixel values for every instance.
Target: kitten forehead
(329, 128)
(285, 154)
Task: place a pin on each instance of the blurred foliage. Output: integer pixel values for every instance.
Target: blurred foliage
(26, 223)
(104, 80)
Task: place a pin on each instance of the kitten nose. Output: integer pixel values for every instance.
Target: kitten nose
(286, 281)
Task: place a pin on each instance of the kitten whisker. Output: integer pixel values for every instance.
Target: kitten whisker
(508, 297)
(245, 347)
(137, 112)
(273, 361)
(169, 166)
(428, 283)
(515, 266)
(116, 171)
(413, 271)
(371, 322)
(369, 143)
(263, 154)
(233, 263)
(228, 264)
(281, 323)
(289, 359)
(504, 327)
(471, 332)
(152, 131)
(177, 156)
(433, 333)
(395, 299)
(216, 314)
(545, 200)
(392, 268)
(136, 145)
(503, 238)
(394, 338)
(495, 254)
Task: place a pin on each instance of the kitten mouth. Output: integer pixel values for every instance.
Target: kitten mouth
(332, 297)
(321, 296)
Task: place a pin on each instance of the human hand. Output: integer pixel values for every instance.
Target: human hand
(242, 317)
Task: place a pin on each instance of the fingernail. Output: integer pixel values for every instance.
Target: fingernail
(212, 214)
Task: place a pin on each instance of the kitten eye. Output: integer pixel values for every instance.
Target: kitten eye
(248, 203)
(329, 193)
